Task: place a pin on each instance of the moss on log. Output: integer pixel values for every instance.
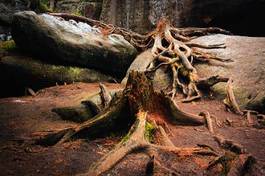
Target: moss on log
(18, 72)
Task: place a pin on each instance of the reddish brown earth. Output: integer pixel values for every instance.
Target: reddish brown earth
(26, 118)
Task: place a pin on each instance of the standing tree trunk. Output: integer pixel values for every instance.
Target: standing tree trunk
(52, 4)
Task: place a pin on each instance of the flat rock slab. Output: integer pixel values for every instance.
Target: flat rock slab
(71, 42)
(247, 70)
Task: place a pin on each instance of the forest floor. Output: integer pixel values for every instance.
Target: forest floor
(25, 118)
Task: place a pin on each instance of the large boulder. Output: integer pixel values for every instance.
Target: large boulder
(72, 42)
(247, 70)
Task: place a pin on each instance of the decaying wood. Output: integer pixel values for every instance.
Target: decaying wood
(104, 95)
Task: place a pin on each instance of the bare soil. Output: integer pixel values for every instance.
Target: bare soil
(25, 118)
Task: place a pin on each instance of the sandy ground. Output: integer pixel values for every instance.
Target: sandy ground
(25, 118)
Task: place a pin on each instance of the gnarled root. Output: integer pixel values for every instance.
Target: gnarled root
(230, 100)
(136, 142)
(170, 46)
(98, 124)
(206, 83)
(208, 120)
(230, 145)
(88, 108)
(147, 109)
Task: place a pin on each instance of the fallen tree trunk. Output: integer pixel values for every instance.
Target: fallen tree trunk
(72, 42)
(20, 72)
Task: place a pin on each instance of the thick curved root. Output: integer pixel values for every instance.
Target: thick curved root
(97, 124)
(187, 118)
(194, 31)
(147, 134)
(136, 142)
(230, 100)
(180, 116)
(206, 83)
(209, 121)
(230, 145)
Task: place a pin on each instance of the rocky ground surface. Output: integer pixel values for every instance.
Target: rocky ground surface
(26, 118)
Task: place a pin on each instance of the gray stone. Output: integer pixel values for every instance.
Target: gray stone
(247, 70)
(53, 38)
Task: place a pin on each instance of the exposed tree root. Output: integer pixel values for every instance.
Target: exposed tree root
(230, 145)
(104, 95)
(209, 121)
(225, 161)
(137, 142)
(170, 47)
(88, 108)
(248, 165)
(248, 116)
(260, 118)
(143, 102)
(230, 100)
(206, 83)
(145, 110)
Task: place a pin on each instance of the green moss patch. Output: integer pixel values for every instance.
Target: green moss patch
(8, 45)
(149, 132)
